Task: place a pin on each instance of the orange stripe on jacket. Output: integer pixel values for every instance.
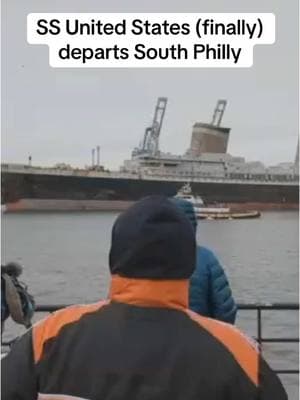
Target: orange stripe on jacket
(240, 346)
(50, 326)
(150, 292)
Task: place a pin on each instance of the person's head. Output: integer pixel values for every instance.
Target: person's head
(12, 269)
(153, 239)
(188, 209)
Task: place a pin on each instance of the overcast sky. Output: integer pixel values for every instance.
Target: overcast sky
(59, 115)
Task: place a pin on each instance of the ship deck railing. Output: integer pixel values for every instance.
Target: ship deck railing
(259, 308)
(263, 179)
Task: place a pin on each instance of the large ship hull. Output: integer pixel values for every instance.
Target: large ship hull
(72, 191)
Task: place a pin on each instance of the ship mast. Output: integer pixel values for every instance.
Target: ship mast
(297, 155)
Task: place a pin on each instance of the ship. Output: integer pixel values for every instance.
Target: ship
(212, 173)
(214, 212)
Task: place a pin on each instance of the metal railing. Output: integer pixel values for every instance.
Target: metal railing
(259, 333)
(258, 307)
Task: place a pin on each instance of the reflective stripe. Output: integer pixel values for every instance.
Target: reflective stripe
(242, 349)
(50, 326)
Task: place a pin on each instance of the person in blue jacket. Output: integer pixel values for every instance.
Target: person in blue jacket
(210, 294)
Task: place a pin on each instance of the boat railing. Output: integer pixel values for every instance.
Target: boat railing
(259, 308)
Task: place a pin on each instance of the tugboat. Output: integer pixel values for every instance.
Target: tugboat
(213, 212)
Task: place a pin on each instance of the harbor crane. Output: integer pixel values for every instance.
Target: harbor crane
(150, 143)
(219, 112)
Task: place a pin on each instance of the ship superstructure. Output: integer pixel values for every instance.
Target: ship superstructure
(207, 157)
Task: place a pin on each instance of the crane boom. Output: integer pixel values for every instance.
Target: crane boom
(151, 136)
(219, 112)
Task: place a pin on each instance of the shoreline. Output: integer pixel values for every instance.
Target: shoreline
(53, 205)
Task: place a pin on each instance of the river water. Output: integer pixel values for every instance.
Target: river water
(65, 260)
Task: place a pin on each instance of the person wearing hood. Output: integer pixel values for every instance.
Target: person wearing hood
(142, 342)
(15, 299)
(210, 294)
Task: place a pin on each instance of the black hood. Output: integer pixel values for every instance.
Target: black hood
(153, 239)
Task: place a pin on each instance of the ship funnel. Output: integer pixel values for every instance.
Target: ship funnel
(210, 138)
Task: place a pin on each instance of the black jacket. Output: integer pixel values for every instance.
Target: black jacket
(143, 343)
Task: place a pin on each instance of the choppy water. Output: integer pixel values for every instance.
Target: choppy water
(65, 258)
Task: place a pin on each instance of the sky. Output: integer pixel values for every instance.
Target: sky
(59, 115)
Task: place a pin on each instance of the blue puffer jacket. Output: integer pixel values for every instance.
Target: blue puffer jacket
(210, 293)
